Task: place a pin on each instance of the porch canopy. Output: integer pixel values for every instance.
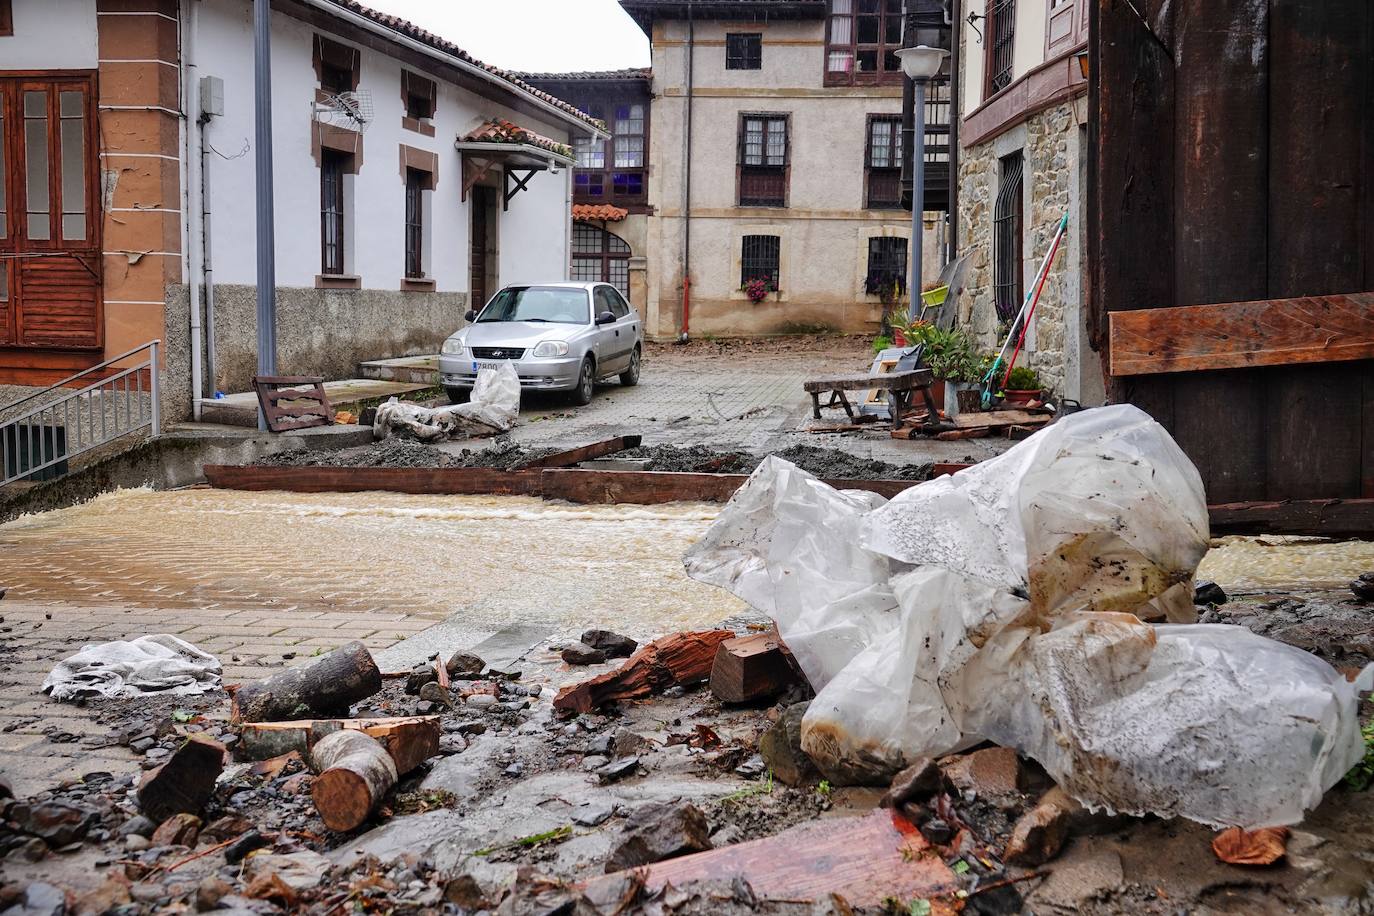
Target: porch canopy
(518, 152)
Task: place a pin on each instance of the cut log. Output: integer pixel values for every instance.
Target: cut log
(410, 740)
(355, 773)
(326, 687)
(751, 668)
(185, 782)
(681, 659)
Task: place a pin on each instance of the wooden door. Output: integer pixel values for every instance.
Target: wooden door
(50, 292)
(1232, 173)
(477, 258)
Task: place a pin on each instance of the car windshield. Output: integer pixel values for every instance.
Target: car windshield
(551, 304)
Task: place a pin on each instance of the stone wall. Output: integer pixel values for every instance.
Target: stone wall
(1052, 145)
(323, 332)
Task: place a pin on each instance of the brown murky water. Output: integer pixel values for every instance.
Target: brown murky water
(499, 559)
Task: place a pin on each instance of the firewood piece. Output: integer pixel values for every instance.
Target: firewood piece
(355, 773)
(981, 432)
(410, 740)
(677, 660)
(750, 668)
(185, 782)
(325, 687)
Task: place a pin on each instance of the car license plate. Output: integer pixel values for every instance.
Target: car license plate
(477, 365)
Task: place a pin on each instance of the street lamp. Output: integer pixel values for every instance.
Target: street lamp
(920, 64)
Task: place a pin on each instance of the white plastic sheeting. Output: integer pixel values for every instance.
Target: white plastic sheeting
(149, 664)
(1005, 603)
(493, 408)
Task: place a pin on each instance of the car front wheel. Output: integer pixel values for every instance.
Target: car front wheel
(630, 376)
(458, 395)
(586, 383)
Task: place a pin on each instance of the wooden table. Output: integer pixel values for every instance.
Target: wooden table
(900, 386)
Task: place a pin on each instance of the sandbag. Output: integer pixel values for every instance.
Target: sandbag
(1007, 603)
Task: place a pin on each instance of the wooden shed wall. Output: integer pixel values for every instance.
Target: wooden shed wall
(1234, 161)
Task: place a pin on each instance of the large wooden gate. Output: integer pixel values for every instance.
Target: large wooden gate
(1234, 169)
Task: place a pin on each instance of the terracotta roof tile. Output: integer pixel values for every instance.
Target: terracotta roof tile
(413, 31)
(585, 212)
(499, 130)
(632, 73)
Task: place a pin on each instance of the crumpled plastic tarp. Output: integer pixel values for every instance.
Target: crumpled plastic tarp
(493, 408)
(1007, 603)
(149, 664)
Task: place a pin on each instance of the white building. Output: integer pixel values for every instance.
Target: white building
(436, 180)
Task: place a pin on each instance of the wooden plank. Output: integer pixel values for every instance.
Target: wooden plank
(1221, 143)
(905, 380)
(864, 860)
(1265, 332)
(653, 487)
(445, 481)
(995, 419)
(1315, 517)
(584, 453)
(1321, 64)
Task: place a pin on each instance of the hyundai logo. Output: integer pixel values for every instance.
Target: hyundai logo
(498, 354)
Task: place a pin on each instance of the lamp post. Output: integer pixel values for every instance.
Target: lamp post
(920, 64)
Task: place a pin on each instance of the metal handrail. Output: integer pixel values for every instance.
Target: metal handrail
(83, 419)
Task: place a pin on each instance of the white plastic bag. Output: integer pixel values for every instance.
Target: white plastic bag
(1005, 603)
(160, 663)
(493, 408)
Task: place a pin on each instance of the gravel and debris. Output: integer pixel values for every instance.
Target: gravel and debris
(823, 462)
(397, 452)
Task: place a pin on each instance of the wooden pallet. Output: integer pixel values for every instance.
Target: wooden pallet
(293, 401)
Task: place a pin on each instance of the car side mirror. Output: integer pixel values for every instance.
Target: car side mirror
(606, 318)
(470, 315)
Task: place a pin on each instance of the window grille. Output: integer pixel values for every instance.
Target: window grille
(743, 51)
(1006, 239)
(759, 259)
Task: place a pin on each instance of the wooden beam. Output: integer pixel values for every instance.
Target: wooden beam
(439, 481)
(863, 860)
(650, 487)
(1234, 335)
(584, 453)
(1320, 517)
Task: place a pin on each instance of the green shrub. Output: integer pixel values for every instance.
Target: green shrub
(1023, 378)
(881, 343)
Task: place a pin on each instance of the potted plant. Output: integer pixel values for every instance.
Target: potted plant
(758, 289)
(1023, 386)
(954, 358)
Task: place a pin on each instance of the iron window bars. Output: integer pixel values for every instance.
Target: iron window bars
(1001, 35)
(760, 260)
(1006, 239)
(743, 51)
(332, 211)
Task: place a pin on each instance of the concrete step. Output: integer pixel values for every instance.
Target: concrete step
(241, 409)
(418, 370)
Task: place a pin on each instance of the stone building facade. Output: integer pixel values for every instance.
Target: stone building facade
(1023, 166)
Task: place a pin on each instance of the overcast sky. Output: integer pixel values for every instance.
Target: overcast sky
(533, 35)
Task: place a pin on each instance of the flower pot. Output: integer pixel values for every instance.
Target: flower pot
(1021, 396)
(938, 387)
(898, 338)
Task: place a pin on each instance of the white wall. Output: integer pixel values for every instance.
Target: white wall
(533, 233)
(51, 35)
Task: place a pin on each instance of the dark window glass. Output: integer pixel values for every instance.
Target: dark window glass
(332, 167)
(415, 223)
(759, 259)
(861, 38)
(335, 79)
(886, 264)
(1006, 239)
(599, 255)
(743, 51)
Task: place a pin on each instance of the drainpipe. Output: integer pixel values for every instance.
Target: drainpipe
(687, 181)
(956, 34)
(190, 88)
(207, 271)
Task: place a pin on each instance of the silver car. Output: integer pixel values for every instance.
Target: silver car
(561, 337)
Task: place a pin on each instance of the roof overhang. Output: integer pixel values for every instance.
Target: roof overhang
(518, 155)
(506, 89)
(644, 12)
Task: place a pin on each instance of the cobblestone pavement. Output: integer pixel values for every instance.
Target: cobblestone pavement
(265, 583)
(737, 394)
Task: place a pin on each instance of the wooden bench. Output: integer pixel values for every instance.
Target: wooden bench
(900, 386)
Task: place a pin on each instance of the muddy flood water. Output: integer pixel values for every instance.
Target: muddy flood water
(495, 560)
(498, 559)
